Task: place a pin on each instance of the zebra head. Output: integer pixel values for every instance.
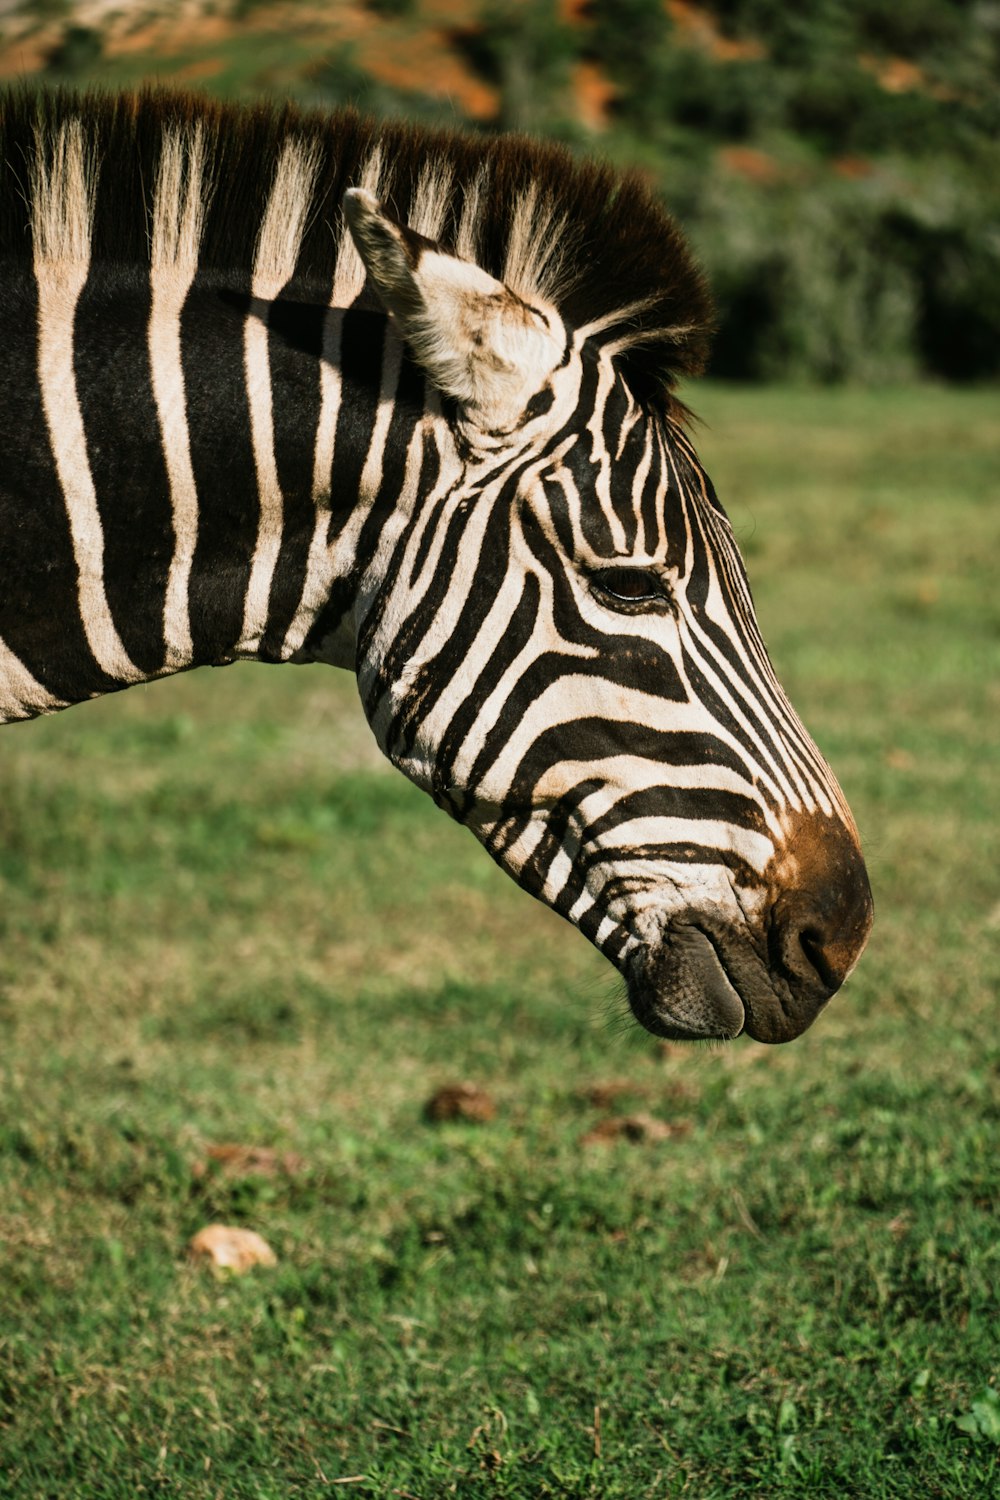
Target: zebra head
(556, 639)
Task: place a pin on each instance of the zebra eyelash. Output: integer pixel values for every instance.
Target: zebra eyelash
(632, 590)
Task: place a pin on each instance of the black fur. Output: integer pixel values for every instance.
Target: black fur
(622, 247)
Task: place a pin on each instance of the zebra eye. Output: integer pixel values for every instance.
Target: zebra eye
(630, 586)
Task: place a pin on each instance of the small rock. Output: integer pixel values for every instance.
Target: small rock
(231, 1249)
(460, 1101)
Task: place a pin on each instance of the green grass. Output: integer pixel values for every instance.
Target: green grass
(222, 920)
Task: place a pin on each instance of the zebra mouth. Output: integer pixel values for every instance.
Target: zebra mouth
(696, 984)
(682, 991)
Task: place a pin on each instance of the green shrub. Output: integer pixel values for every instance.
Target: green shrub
(804, 289)
(77, 52)
(524, 50)
(631, 39)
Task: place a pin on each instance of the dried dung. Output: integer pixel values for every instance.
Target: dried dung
(460, 1101)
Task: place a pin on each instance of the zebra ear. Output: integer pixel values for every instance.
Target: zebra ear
(476, 339)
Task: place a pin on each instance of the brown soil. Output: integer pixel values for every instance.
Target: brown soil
(699, 28)
(747, 161)
(594, 94)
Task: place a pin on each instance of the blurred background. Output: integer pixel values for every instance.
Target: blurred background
(836, 164)
(250, 975)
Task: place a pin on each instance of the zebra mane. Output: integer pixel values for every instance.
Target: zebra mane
(256, 191)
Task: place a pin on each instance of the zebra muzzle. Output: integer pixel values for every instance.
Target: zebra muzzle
(679, 989)
(702, 979)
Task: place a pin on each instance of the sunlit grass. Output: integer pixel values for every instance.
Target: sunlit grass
(222, 918)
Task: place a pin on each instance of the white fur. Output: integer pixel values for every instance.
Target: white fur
(62, 208)
(278, 246)
(21, 695)
(179, 205)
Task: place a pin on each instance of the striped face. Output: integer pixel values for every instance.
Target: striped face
(550, 622)
(561, 647)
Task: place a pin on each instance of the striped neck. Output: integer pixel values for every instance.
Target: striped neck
(228, 465)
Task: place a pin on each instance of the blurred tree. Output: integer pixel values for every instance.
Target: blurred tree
(77, 52)
(632, 40)
(393, 7)
(839, 175)
(525, 49)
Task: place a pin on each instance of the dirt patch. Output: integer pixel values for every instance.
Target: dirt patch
(748, 162)
(698, 28)
(233, 1160)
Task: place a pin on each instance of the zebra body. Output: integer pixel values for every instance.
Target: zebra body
(438, 446)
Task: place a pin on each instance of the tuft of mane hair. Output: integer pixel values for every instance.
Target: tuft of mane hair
(594, 241)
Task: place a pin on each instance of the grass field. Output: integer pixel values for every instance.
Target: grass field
(224, 921)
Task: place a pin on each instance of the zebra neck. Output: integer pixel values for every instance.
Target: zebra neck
(189, 476)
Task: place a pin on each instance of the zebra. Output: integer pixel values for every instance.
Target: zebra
(303, 387)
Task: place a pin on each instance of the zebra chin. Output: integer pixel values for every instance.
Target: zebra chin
(684, 990)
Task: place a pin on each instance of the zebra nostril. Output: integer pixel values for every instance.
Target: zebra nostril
(818, 957)
(810, 947)
(819, 924)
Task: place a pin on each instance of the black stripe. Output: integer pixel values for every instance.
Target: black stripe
(689, 804)
(295, 346)
(680, 853)
(513, 640)
(212, 327)
(361, 352)
(437, 673)
(115, 391)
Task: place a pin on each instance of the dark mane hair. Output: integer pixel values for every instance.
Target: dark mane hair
(621, 262)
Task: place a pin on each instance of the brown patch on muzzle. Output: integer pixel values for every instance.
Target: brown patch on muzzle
(817, 922)
(706, 977)
(821, 899)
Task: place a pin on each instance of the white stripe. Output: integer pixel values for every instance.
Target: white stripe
(431, 197)
(557, 876)
(606, 931)
(536, 243)
(606, 382)
(324, 564)
(178, 220)
(320, 566)
(518, 854)
(468, 225)
(580, 908)
(350, 275)
(258, 377)
(21, 695)
(274, 264)
(62, 217)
